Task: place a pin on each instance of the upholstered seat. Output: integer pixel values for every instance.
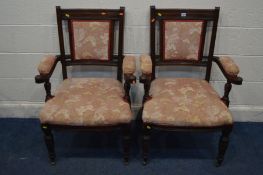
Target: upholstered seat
(87, 102)
(185, 102)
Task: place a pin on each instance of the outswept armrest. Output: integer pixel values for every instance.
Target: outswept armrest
(46, 68)
(146, 64)
(128, 68)
(229, 68)
(230, 71)
(146, 77)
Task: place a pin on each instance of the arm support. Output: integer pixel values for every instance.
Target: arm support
(146, 77)
(45, 69)
(230, 71)
(129, 68)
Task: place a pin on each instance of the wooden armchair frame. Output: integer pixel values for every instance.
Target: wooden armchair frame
(114, 15)
(207, 15)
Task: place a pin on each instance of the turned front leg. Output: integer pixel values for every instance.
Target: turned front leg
(126, 143)
(49, 140)
(145, 142)
(223, 144)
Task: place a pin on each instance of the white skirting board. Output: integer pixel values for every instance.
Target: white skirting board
(243, 113)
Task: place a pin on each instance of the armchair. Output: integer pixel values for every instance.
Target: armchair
(185, 104)
(89, 104)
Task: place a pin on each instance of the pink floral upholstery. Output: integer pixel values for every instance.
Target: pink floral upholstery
(229, 65)
(146, 64)
(91, 39)
(87, 102)
(182, 39)
(129, 65)
(46, 64)
(185, 102)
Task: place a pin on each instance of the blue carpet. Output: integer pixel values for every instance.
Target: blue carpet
(22, 151)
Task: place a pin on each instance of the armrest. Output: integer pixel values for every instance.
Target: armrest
(128, 68)
(146, 77)
(230, 71)
(229, 68)
(146, 68)
(46, 68)
(146, 64)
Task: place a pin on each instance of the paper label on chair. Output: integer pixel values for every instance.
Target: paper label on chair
(183, 14)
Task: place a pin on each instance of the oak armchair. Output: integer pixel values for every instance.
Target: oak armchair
(185, 104)
(95, 104)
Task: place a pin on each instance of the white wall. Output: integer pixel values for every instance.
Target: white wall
(28, 31)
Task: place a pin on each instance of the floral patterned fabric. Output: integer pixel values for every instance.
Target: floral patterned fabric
(229, 65)
(91, 39)
(185, 102)
(146, 64)
(46, 64)
(182, 39)
(129, 65)
(87, 102)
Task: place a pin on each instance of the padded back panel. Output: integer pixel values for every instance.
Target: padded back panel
(182, 39)
(90, 40)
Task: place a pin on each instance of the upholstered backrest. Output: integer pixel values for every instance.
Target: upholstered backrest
(91, 37)
(182, 39)
(90, 40)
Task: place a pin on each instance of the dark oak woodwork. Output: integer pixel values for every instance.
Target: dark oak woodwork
(129, 79)
(225, 98)
(212, 44)
(127, 87)
(145, 143)
(207, 15)
(61, 42)
(146, 79)
(47, 86)
(48, 137)
(223, 144)
(120, 46)
(152, 39)
(116, 16)
(126, 143)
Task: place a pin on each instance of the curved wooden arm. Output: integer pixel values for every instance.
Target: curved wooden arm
(129, 68)
(146, 79)
(45, 78)
(42, 78)
(232, 79)
(147, 76)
